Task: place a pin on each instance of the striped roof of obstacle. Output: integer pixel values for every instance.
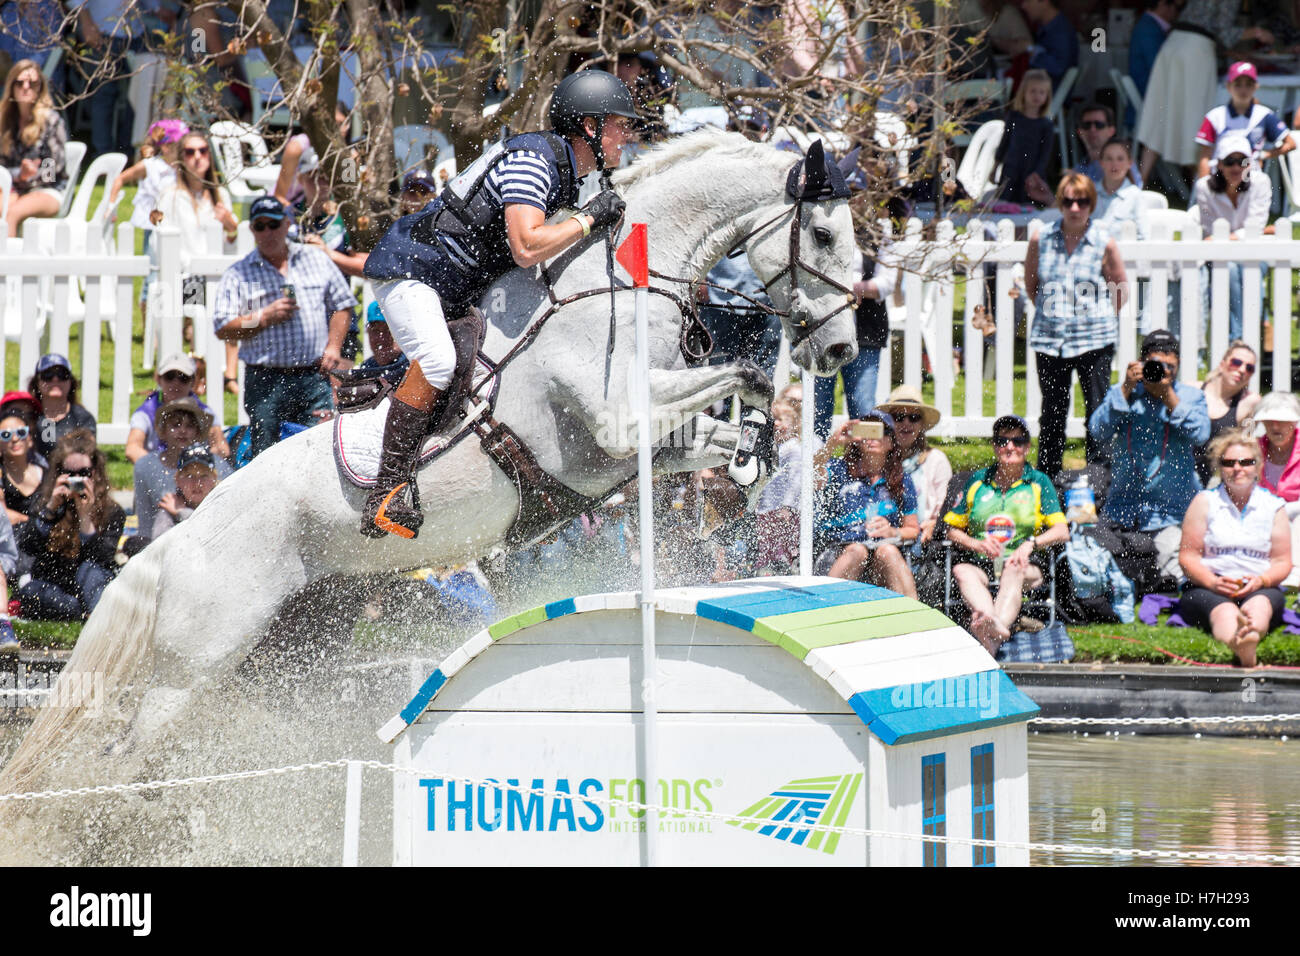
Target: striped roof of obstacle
(904, 668)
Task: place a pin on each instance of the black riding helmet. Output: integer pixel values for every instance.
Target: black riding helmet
(589, 93)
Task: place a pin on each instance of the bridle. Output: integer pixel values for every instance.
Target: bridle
(810, 180)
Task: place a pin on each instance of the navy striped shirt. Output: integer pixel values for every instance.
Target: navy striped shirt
(523, 177)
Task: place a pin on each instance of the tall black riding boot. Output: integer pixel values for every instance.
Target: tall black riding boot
(388, 510)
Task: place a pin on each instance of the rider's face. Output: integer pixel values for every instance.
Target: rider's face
(614, 137)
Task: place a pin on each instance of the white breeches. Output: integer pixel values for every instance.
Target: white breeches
(414, 314)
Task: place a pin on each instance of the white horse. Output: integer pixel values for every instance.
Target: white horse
(188, 610)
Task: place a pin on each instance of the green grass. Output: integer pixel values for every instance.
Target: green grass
(60, 635)
(1140, 643)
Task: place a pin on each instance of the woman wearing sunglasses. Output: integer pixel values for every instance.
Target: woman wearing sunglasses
(32, 140)
(1228, 399)
(928, 467)
(1006, 514)
(1236, 551)
(23, 468)
(1234, 193)
(56, 387)
(1074, 274)
(72, 537)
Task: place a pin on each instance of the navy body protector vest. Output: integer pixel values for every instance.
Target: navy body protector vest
(465, 212)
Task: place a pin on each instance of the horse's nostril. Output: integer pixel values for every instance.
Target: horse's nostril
(838, 354)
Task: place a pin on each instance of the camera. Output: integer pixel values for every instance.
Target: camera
(76, 484)
(1153, 370)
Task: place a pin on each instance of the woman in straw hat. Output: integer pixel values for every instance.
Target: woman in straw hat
(929, 467)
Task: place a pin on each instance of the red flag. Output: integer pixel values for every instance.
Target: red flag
(634, 255)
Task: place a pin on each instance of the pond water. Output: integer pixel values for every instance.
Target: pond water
(1224, 794)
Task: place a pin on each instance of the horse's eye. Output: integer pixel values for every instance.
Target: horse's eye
(823, 236)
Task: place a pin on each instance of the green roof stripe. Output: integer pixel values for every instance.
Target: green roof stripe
(844, 613)
(519, 621)
(799, 642)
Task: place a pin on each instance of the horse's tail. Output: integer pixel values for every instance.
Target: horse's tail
(116, 641)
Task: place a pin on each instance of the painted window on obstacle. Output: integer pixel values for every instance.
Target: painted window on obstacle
(933, 809)
(981, 788)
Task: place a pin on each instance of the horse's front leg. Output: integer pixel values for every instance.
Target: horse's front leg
(676, 396)
(705, 442)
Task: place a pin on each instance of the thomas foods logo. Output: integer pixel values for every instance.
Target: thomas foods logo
(825, 800)
(559, 805)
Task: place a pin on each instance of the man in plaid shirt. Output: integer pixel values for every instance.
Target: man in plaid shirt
(289, 307)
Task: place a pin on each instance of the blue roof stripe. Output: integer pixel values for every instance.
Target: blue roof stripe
(422, 698)
(909, 712)
(742, 610)
(789, 600)
(560, 608)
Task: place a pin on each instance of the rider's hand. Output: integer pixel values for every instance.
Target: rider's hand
(605, 209)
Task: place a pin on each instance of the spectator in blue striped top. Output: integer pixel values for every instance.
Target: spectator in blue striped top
(289, 307)
(435, 264)
(1075, 276)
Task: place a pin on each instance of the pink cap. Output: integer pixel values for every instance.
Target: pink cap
(1243, 68)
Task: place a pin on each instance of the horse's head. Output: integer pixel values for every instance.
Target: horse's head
(804, 252)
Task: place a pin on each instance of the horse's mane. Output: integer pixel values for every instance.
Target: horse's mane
(706, 139)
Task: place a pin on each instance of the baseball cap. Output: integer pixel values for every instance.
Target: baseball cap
(27, 397)
(1160, 340)
(419, 179)
(1243, 68)
(196, 454)
(53, 360)
(266, 207)
(177, 362)
(1233, 142)
(1010, 421)
(375, 314)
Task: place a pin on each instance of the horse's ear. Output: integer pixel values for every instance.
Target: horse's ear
(814, 169)
(849, 162)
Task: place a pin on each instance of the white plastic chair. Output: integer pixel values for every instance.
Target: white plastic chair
(1289, 168)
(976, 170)
(1056, 110)
(74, 154)
(1149, 199)
(81, 221)
(242, 157)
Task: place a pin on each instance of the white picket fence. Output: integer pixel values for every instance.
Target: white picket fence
(937, 266)
(58, 275)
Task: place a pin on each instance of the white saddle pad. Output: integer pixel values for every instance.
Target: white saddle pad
(359, 438)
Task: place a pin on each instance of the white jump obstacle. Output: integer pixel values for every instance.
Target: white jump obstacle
(795, 700)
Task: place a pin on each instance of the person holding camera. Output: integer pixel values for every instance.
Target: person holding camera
(1236, 551)
(1154, 424)
(72, 537)
(868, 505)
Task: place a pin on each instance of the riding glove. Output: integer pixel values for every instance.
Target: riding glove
(605, 209)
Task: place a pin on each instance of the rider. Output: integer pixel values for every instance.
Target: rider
(436, 264)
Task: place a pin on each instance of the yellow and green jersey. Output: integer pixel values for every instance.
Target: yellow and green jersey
(1028, 507)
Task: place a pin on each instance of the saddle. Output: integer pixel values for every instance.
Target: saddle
(362, 389)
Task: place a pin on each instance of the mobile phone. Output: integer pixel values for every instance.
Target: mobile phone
(287, 291)
(867, 430)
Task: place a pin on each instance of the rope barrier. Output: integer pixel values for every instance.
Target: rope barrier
(1156, 721)
(663, 812)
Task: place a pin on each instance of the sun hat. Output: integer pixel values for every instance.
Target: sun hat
(1276, 407)
(184, 406)
(907, 398)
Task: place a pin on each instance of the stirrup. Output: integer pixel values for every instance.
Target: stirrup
(404, 526)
